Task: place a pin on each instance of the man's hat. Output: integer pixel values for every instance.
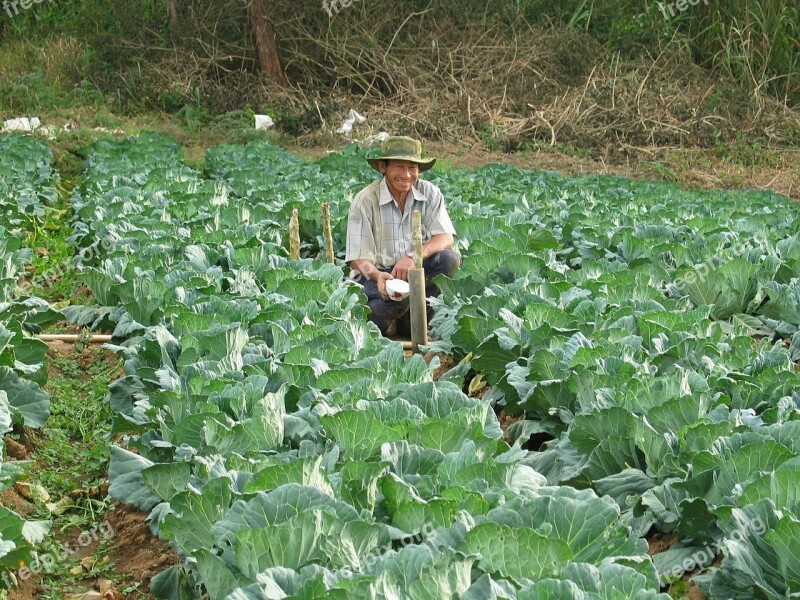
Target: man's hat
(401, 147)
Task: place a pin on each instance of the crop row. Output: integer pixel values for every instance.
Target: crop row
(26, 186)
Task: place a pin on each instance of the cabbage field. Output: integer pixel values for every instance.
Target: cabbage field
(26, 186)
(647, 334)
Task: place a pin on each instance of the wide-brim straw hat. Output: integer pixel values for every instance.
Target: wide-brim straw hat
(401, 147)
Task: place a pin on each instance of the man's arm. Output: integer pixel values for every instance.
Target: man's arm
(370, 271)
(437, 243)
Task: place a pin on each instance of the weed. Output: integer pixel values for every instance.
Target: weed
(443, 165)
(492, 137)
(52, 274)
(744, 152)
(677, 589)
(73, 559)
(73, 450)
(134, 587)
(663, 170)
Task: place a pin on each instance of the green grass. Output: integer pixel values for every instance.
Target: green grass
(53, 276)
(678, 589)
(73, 450)
(71, 455)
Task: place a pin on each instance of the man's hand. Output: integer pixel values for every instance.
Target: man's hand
(382, 278)
(370, 271)
(401, 267)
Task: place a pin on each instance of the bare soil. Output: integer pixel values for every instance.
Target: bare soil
(693, 592)
(506, 422)
(137, 554)
(659, 542)
(445, 364)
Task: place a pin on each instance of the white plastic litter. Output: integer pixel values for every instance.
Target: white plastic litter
(22, 124)
(48, 131)
(352, 118)
(264, 122)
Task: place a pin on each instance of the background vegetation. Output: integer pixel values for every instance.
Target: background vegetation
(509, 74)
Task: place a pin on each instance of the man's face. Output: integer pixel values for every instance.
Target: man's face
(401, 175)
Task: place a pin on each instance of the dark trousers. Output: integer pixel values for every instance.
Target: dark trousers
(385, 312)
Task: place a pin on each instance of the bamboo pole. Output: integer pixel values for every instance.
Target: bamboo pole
(416, 231)
(416, 283)
(74, 337)
(326, 227)
(294, 236)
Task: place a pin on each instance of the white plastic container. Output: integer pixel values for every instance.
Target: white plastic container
(397, 289)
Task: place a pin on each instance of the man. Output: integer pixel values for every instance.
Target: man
(379, 237)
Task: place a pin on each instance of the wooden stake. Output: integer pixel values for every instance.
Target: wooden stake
(417, 304)
(416, 230)
(326, 227)
(294, 236)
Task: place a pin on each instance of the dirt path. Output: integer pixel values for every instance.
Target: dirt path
(98, 549)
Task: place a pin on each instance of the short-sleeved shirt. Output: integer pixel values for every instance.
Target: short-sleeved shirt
(377, 232)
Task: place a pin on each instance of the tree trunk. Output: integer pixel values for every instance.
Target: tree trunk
(266, 40)
(172, 14)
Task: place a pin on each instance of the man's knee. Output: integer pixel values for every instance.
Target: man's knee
(443, 262)
(388, 310)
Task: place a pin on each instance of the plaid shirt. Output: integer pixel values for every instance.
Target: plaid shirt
(377, 232)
